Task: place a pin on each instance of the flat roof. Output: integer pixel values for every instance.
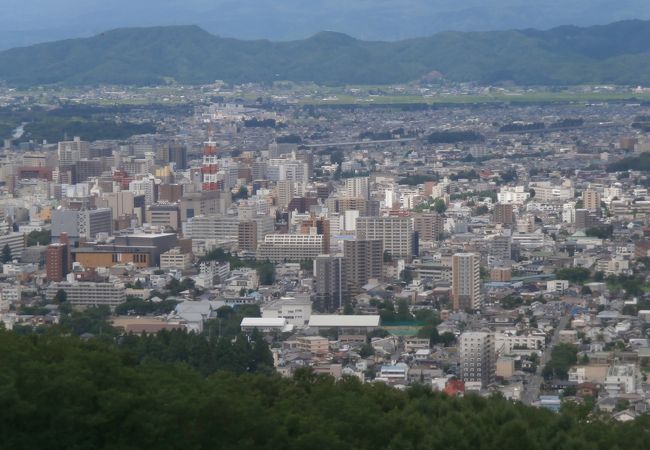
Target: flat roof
(334, 320)
(263, 322)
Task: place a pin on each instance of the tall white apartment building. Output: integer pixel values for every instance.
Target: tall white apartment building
(477, 357)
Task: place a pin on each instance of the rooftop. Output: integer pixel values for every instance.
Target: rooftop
(333, 320)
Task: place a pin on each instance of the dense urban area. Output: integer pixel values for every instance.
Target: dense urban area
(412, 243)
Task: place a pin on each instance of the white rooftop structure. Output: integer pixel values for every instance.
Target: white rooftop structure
(266, 324)
(351, 321)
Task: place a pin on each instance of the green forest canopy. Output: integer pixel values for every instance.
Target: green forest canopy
(65, 393)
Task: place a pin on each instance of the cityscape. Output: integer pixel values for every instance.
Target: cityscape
(290, 264)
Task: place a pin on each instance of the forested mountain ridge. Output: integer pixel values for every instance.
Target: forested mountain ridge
(618, 53)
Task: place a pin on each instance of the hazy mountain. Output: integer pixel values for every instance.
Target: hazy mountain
(43, 20)
(616, 53)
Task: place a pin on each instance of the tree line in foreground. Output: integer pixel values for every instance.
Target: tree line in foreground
(61, 392)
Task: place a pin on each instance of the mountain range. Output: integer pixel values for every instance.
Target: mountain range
(34, 21)
(618, 53)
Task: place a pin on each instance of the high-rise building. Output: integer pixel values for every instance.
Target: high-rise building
(329, 275)
(72, 151)
(503, 214)
(178, 156)
(286, 191)
(87, 168)
(247, 235)
(317, 225)
(466, 281)
(357, 187)
(170, 193)
(591, 200)
(585, 219)
(57, 260)
(363, 260)
(85, 224)
(477, 357)
(396, 234)
(429, 226)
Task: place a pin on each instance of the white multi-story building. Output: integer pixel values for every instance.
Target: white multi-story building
(477, 357)
(613, 266)
(296, 310)
(290, 247)
(622, 379)
(569, 212)
(513, 194)
(547, 192)
(218, 227)
(557, 285)
(396, 233)
(506, 343)
(175, 259)
(89, 294)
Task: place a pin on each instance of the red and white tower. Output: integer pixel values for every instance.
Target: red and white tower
(210, 166)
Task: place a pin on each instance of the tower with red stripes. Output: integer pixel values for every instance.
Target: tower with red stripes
(210, 166)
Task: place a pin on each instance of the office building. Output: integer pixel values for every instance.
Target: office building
(164, 215)
(175, 259)
(466, 281)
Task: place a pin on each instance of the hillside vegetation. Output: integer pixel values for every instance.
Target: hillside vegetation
(618, 53)
(64, 393)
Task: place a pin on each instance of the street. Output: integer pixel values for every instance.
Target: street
(531, 390)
